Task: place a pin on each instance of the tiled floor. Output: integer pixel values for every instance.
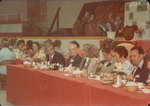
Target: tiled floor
(3, 100)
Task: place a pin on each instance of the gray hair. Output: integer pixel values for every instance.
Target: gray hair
(91, 50)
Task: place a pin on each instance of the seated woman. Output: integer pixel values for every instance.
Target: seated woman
(121, 55)
(19, 51)
(90, 60)
(38, 54)
(28, 50)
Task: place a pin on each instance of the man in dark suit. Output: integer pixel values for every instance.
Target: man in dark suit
(136, 58)
(74, 58)
(53, 56)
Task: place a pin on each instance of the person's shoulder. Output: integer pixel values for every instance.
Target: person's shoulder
(58, 54)
(144, 71)
(4, 50)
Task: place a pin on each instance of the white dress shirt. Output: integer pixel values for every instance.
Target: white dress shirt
(127, 67)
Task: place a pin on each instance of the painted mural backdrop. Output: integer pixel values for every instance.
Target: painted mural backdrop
(99, 18)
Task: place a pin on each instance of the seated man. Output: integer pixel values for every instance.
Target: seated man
(90, 58)
(6, 57)
(107, 65)
(121, 55)
(136, 58)
(145, 71)
(74, 58)
(54, 57)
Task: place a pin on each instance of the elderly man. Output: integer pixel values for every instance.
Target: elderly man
(136, 58)
(74, 58)
(53, 56)
(6, 57)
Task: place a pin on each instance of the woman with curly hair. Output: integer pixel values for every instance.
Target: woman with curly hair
(38, 54)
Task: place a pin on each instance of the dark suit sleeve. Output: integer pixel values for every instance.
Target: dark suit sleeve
(62, 60)
(77, 61)
(144, 75)
(58, 58)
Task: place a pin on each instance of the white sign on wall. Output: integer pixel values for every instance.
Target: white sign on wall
(138, 13)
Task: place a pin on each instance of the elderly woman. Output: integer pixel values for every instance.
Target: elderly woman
(38, 54)
(89, 62)
(6, 57)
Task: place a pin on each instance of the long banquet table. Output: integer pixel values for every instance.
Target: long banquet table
(27, 86)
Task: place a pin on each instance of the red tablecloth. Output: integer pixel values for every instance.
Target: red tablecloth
(22, 85)
(57, 89)
(29, 86)
(108, 95)
(36, 87)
